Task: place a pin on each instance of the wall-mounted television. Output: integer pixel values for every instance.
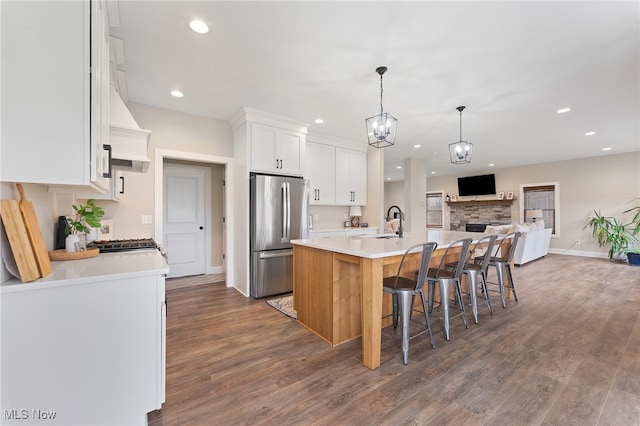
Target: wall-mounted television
(477, 185)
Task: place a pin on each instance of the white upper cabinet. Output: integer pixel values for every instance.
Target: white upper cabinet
(321, 173)
(351, 177)
(55, 97)
(275, 150)
(268, 143)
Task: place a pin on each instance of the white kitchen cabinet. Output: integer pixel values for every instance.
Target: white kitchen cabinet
(55, 98)
(321, 172)
(275, 150)
(86, 342)
(351, 177)
(115, 192)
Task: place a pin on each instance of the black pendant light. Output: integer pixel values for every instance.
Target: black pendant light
(460, 152)
(381, 128)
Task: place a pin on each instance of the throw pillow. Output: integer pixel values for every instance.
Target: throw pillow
(490, 229)
(521, 228)
(540, 224)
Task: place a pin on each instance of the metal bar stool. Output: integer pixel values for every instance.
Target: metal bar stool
(478, 265)
(406, 289)
(503, 263)
(445, 278)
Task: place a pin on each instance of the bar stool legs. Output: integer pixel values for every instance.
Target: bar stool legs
(443, 285)
(501, 267)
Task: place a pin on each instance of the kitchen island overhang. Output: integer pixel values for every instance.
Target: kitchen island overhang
(337, 283)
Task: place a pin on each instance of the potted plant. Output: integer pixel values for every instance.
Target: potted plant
(86, 217)
(619, 235)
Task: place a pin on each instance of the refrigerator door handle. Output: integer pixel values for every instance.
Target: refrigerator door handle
(288, 234)
(283, 206)
(280, 253)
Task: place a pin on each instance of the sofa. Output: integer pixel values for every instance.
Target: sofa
(533, 243)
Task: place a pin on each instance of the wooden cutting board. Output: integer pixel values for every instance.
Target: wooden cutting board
(19, 240)
(34, 233)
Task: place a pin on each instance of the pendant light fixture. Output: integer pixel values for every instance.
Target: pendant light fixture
(460, 152)
(381, 128)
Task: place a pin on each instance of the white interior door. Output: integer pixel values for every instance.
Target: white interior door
(184, 218)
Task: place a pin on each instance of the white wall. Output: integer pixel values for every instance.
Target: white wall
(393, 195)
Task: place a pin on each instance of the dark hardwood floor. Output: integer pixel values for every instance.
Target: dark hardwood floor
(567, 353)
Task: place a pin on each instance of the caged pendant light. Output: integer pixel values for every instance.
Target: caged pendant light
(460, 152)
(381, 128)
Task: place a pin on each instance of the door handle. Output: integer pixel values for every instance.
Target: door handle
(202, 227)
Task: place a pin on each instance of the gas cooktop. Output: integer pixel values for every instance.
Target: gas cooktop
(110, 246)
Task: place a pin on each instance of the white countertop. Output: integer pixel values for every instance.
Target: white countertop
(341, 229)
(129, 264)
(372, 246)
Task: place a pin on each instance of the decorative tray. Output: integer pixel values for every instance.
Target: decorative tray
(61, 254)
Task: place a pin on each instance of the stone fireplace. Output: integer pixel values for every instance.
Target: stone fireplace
(490, 212)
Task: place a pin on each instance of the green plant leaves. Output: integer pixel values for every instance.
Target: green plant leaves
(86, 216)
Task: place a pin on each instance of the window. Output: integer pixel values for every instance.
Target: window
(543, 196)
(434, 210)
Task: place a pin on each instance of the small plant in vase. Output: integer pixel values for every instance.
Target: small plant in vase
(86, 217)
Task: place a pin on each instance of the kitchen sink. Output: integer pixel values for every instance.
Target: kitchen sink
(381, 236)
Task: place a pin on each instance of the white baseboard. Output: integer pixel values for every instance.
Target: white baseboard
(215, 270)
(582, 253)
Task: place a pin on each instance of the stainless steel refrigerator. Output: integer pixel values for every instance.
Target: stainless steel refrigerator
(278, 215)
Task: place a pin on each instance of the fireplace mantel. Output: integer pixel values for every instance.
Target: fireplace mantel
(480, 203)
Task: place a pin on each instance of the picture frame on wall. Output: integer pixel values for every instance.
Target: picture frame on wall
(454, 198)
(510, 195)
(105, 232)
(500, 195)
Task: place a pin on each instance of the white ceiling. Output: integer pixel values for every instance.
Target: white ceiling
(512, 64)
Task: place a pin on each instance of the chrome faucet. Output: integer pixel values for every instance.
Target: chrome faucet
(400, 214)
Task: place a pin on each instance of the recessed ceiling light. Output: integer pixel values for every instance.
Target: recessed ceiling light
(434, 154)
(607, 148)
(590, 133)
(398, 167)
(417, 146)
(177, 93)
(433, 173)
(491, 164)
(319, 121)
(388, 178)
(199, 26)
(563, 110)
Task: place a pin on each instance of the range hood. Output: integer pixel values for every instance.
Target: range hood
(129, 143)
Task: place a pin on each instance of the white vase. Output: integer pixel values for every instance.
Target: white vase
(70, 243)
(92, 235)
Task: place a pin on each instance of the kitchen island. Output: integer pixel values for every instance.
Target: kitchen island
(86, 344)
(337, 283)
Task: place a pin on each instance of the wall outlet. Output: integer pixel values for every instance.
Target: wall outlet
(147, 219)
(577, 240)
